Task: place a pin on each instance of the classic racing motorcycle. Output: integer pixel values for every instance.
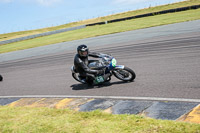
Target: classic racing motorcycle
(109, 64)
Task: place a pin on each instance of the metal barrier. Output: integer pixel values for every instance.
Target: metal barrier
(41, 34)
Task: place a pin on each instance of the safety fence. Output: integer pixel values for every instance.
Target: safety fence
(42, 34)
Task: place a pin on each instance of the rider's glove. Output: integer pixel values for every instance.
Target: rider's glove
(104, 55)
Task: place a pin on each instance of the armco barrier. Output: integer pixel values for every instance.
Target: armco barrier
(100, 23)
(41, 34)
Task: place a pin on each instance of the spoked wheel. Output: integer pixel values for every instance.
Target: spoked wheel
(125, 74)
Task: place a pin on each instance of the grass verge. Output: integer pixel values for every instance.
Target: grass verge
(26, 119)
(99, 19)
(103, 30)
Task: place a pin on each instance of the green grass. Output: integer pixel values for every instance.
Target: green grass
(26, 119)
(103, 30)
(99, 19)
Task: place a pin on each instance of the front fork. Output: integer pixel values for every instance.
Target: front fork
(119, 69)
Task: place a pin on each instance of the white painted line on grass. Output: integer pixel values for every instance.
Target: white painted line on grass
(106, 97)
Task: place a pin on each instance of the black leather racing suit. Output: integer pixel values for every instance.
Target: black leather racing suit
(81, 65)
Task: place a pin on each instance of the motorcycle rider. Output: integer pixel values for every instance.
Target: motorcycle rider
(81, 65)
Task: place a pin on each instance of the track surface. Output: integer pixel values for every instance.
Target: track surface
(166, 66)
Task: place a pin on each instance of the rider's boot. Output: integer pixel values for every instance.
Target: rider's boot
(106, 76)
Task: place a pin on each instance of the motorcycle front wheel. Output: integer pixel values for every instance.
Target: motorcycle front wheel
(125, 74)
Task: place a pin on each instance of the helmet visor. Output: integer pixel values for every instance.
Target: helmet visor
(83, 53)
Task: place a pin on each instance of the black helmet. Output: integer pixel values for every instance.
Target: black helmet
(82, 50)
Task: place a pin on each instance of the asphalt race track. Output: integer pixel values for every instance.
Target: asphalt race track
(167, 66)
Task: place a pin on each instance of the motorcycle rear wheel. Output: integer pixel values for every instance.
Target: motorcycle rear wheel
(1, 78)
(125, 74)
(75, 76)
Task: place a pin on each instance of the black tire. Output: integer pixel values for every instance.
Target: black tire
(1, 78)
(121, 77)
(75, 77)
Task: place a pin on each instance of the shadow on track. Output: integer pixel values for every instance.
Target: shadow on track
(86, 86)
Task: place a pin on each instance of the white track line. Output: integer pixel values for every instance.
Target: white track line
(106, 97)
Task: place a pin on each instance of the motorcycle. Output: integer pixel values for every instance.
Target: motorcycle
(109, 64)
